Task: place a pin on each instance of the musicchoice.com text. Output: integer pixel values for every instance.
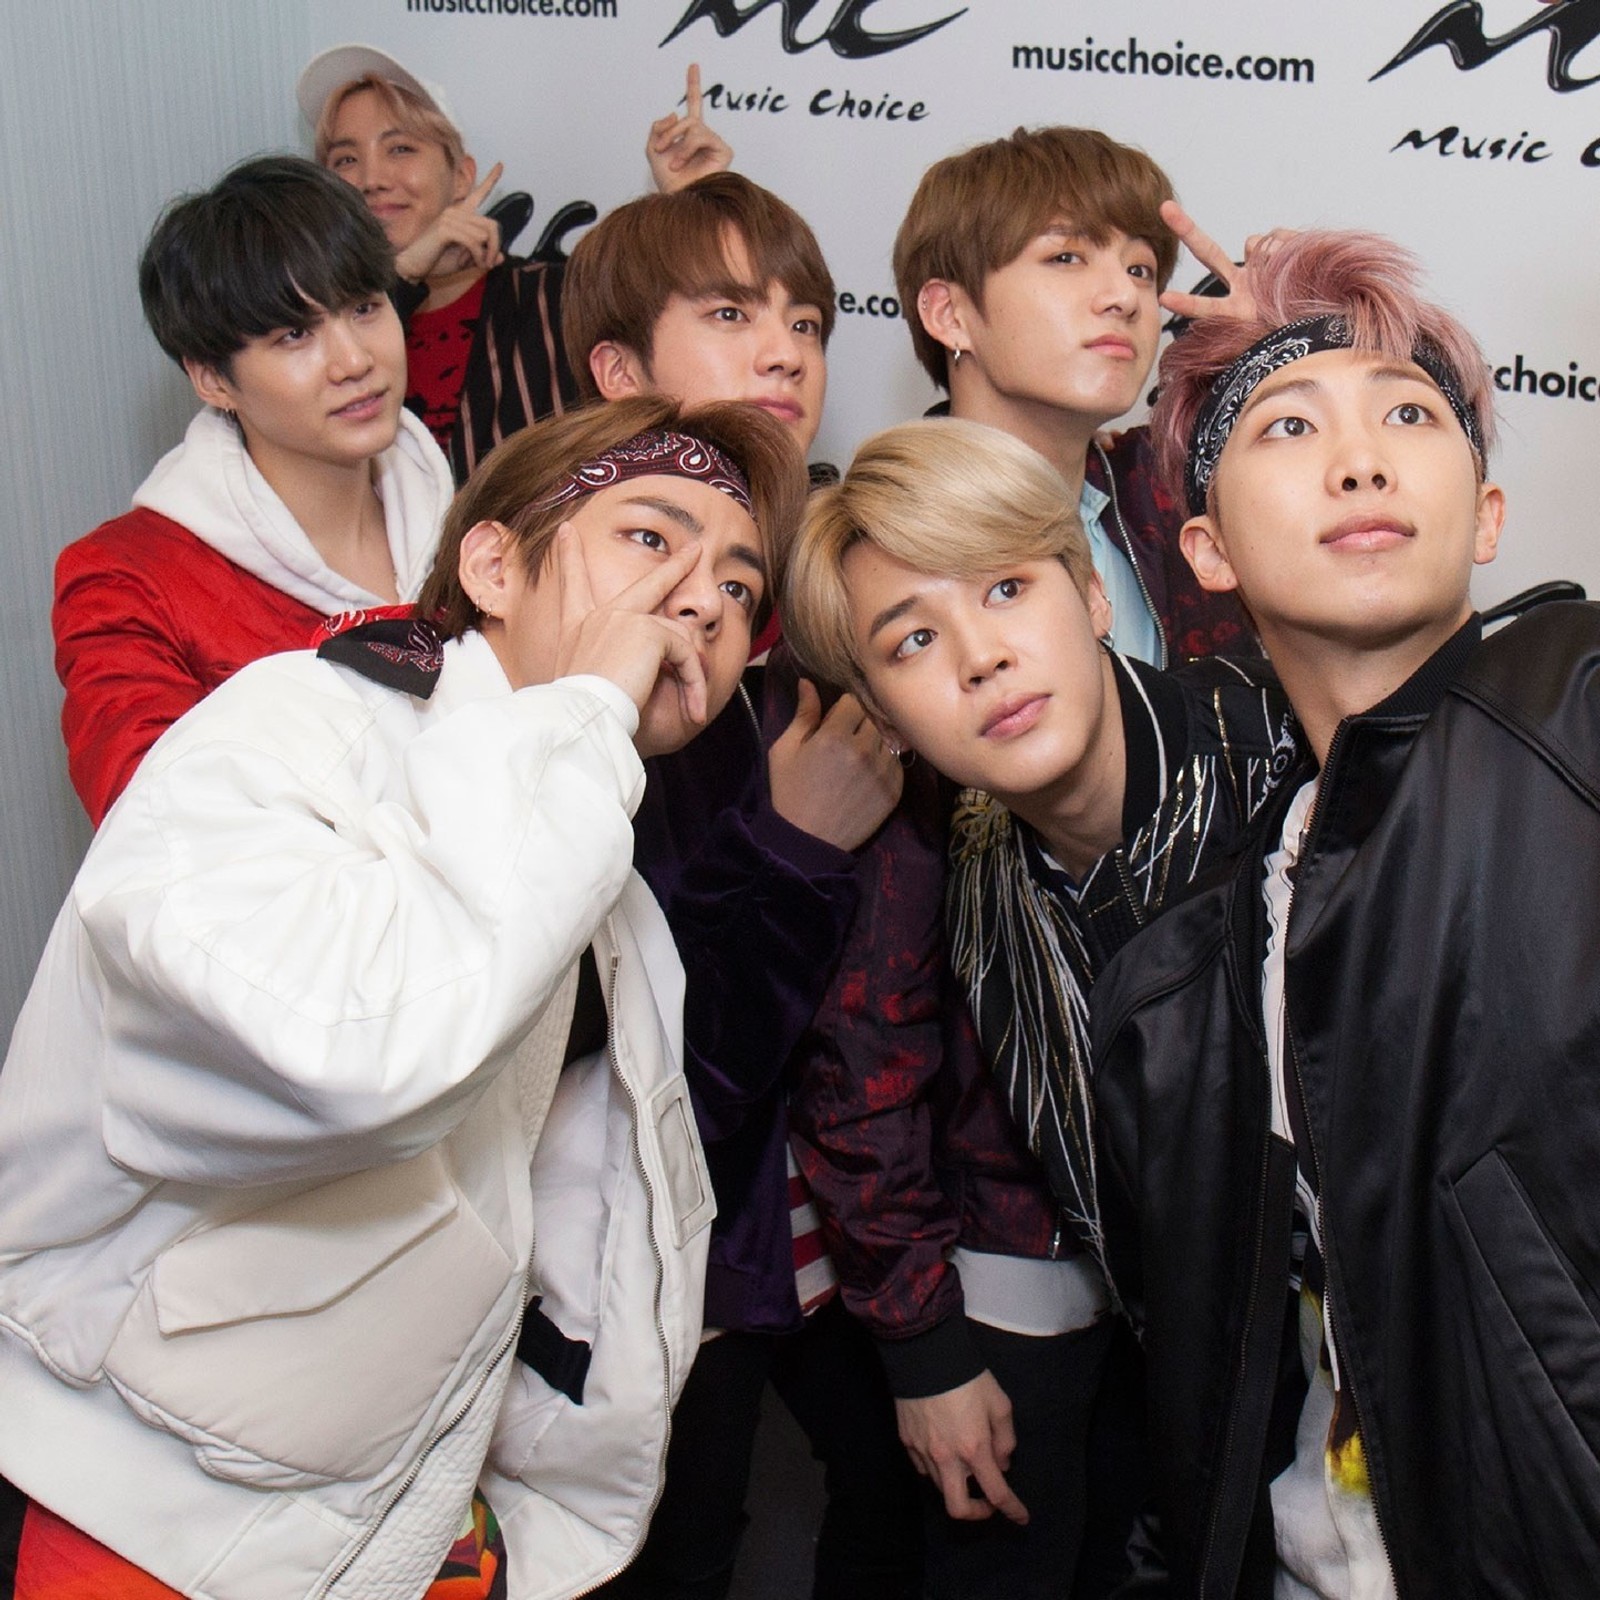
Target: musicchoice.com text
(1134, 60)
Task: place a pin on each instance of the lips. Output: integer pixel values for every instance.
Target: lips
(784, 410)
(364, 409)
(1366, 532)
(1112, 345)
(1016, 714)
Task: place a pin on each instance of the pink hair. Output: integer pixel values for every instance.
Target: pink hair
(1368, 280)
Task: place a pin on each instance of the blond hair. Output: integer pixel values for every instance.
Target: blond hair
(946, 497)
(408, 113)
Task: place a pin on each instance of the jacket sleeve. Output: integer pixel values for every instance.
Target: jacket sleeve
(303, 981)
(863, 1117)
(759, 915)
(127, 679)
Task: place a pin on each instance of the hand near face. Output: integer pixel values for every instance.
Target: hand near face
(964, 1433)
(457, 239)
(681, 149)
(624, 639)
(833, 776)
(1240, 299)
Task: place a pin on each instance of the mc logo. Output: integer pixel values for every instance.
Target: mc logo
(847, 33)
(1571, 24)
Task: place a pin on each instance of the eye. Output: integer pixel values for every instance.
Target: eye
(741, 593)
(1144, 271)
(728, 313)
(291, 336)
(1006, 589)
(914, 642)
(1410, 414)
(367, 308)
(650, 539)
(1068, 258)
(339, 163)
(808, 327)
(401, 147)
(1287, 428)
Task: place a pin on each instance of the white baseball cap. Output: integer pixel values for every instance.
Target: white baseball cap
(345, 62)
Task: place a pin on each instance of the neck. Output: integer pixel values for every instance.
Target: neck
(445, 288)
(1079, 816)
(1061, 437)
(1328, 680)
(339, 512)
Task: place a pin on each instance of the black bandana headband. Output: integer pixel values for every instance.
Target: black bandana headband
(1294, 342)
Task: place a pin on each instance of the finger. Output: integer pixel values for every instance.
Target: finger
(847, 716)
(999, 1494)
(682, 659)
(692, 91)
(661, 131)
(491, 244)
(573, 588)
(953, 1479)
(1194, 306)
(484, 189)
(807, 711)
(646, 594)
(1200, 244)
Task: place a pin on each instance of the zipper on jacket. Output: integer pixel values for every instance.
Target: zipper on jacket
(661, 1275)
(506, 1345)
(1127, 550)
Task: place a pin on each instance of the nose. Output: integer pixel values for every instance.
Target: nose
(348, 355)
(1360, 462)
(781, 349)
(983, 654)
(698, 600)
(1115, 293)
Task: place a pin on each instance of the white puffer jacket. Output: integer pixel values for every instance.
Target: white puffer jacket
(266, 1219)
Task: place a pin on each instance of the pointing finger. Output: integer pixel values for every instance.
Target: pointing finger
(692, 90)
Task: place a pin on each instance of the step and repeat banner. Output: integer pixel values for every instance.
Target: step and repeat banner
(1469, 130)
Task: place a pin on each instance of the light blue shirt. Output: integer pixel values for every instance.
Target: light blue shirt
(1132, 625)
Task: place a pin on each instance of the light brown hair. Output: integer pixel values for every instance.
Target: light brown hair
(975, 212)
(517, 478)
(626, 268)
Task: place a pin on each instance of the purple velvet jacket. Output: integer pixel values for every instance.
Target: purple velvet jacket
(760, 912)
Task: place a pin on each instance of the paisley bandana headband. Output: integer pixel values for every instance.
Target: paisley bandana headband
(656, 450)
(1294, 342)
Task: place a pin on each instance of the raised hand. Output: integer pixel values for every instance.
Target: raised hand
(961, 1435)
(833, 776)
(457, 239)
(1240, 300)
(681, 149)
(624, 639)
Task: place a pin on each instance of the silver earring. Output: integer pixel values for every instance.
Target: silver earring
(955, 356)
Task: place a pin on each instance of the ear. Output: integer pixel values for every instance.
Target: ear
(1099, 607)
(486, 554)
(209, 384)
(618, 372)
(465, 180)
(1491, 519)
(946, 313)
(1200, 539)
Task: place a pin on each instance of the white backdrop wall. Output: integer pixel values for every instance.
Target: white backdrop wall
(107, 108)
(1480, 151)
(1275, 114)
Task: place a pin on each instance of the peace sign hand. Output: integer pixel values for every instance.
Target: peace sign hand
(1240, 300)
(458, 238)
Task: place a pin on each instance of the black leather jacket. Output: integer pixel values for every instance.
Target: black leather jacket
(1443, 988)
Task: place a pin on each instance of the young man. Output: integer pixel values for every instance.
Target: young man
(750, 842)
(310, 1125)
(302, 488)
(948, 580)
(1029, 270)
(1347, 1096)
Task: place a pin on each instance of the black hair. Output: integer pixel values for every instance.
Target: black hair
(277, 239)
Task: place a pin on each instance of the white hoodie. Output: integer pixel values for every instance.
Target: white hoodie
(210, 486)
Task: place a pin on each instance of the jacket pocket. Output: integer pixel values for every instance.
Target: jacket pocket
(1531, 1349)
(311, 1340)
(682, 1161)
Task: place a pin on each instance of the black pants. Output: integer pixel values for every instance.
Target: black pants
(1053, 1385)
(829, 1377)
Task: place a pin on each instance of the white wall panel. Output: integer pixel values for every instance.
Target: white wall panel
(107, 108)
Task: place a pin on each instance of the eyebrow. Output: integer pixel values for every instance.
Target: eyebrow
(1387, 373)
(889, 614)
(388, 133)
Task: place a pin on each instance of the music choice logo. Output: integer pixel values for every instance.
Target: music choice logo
(846, 32)
(1571, 25)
